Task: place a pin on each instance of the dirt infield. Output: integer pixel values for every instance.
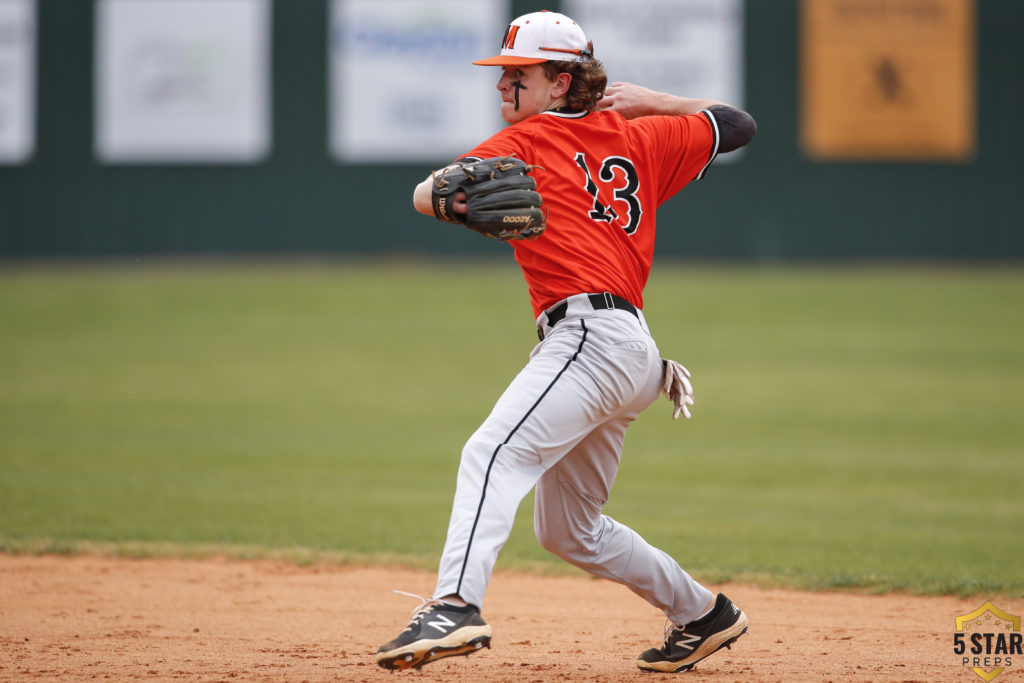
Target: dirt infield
(85, 618)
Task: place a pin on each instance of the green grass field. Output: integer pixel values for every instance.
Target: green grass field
(855, 427)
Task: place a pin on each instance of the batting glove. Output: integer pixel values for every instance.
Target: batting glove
(676, 387)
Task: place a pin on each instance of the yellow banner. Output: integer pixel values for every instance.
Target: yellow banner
(888, 79)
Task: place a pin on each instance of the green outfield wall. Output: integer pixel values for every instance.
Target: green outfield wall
(774, 204)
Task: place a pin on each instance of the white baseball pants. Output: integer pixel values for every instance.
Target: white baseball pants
(560, 426)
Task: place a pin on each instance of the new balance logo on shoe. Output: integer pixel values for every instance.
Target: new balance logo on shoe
(442, 624)
(687, 645)
(688, 642)
(453, 630)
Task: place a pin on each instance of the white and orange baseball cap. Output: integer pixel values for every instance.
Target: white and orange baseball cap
(540, 37)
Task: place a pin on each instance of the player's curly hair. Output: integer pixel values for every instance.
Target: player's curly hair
(588, 81)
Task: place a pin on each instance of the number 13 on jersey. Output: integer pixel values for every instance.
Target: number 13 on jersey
(624, 190)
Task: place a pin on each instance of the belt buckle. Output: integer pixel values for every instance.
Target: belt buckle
(609, 302)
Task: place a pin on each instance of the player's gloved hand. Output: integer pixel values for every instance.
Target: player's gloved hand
(676, 387)
(495, 197)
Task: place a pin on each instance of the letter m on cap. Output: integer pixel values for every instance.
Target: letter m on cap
(510, 37)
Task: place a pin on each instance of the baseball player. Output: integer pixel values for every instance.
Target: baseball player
(603, 158)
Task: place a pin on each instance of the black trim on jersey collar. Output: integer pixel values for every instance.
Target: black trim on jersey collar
(566, 113)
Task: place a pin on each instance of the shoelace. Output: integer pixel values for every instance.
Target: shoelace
(672, 632)
(420, 610)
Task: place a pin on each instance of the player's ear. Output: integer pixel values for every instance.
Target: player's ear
(562, 83)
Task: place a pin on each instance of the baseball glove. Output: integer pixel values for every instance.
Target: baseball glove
(502, 200)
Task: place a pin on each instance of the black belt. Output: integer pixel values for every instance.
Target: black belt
(598, 301)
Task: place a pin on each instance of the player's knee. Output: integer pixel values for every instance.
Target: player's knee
(547, 539)
(474, 459)
(569, 544)
(550, 535)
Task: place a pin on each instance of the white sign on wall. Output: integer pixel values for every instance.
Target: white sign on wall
(182, 80)
(17, 80)
(402, 83)
(692, 48)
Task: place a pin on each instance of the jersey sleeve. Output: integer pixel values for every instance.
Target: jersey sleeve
(683, 147)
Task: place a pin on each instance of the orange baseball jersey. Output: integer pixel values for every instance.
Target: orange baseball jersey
(603, 179)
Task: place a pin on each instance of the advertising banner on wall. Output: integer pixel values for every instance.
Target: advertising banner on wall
(184, 81)
(17, 80)
(888, 79)
(692, 48)
(402, 83)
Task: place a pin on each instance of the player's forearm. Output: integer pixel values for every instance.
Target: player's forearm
(666, 104)
(421, 197)
(633, 101)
